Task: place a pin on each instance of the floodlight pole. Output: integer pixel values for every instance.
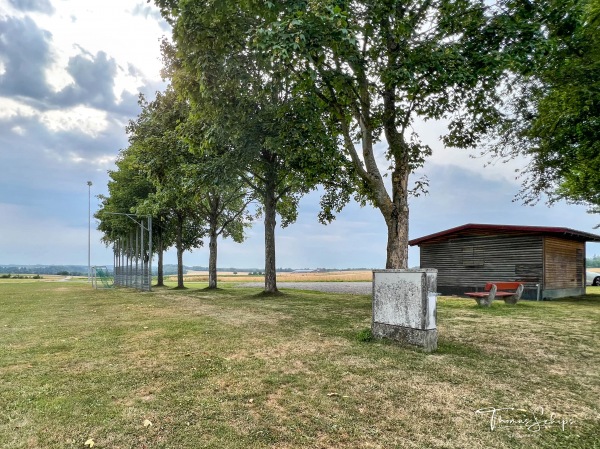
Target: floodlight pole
(89, 183)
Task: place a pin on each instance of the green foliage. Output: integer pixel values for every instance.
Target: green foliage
(128, 187)
(246, 119)
(364, 335)
(556, 107)
(282, 92)
(378, 66)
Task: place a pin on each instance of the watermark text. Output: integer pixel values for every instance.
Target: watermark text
(534, 420)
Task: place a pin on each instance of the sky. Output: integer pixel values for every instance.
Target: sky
(70, 75)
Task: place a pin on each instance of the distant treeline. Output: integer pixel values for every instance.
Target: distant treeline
(64, 270)
(19, 276)
(594, 262)
(72, 270)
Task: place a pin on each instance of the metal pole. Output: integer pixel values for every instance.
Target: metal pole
(115, 263)
(141, 276)
(89, 183)
(123, 266)
(130, 261)
(149, 253)
(137, 258)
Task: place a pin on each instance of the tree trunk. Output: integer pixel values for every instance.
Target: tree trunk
(270, 223)
(397, 242)
(396, 215)
(396, 220)
(212, 259)
(179, 245)
(394, 207)
(160, 281)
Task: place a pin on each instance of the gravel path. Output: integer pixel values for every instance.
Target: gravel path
(352, 288)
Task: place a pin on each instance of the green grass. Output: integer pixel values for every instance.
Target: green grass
(231, 369)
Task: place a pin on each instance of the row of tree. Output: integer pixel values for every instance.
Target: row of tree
(268, 100)
(159, 175)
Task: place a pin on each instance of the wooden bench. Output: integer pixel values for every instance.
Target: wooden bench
(509, 291)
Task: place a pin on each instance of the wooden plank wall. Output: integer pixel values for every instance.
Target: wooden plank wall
(565, 263)
(470, 262)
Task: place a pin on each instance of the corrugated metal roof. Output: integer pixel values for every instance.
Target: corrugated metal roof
(499, 229)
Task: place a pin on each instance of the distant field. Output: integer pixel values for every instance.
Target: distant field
(330, 276)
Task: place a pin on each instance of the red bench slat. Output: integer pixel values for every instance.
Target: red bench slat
(502, 285)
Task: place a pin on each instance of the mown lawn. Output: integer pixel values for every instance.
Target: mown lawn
(233, 369)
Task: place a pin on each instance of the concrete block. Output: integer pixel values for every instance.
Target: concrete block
(405, 306)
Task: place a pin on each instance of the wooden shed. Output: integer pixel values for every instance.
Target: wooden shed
(550, 261)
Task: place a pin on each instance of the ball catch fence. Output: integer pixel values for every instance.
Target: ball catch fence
(133, 255)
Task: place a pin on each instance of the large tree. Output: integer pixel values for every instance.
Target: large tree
(225, 211)
(555, 107)
(377, 66)
(262, 128)
(222, 204)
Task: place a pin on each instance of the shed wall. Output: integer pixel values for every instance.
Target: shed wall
(565, 264)
(467, 263)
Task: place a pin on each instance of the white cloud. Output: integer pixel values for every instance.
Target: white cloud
(18, 130)
(10, 109)
(107, 26)
(79, 119)
(471, 160)
(56, 75)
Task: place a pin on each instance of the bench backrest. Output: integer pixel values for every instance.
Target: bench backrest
(502, 285)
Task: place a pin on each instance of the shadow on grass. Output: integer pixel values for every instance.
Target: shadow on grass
(591, 299)
(211, 289)
(459, 349)
(269, 295)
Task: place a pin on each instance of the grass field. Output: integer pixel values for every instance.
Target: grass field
(233, 369)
